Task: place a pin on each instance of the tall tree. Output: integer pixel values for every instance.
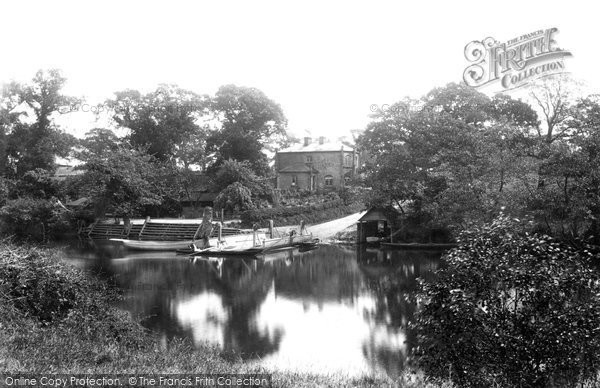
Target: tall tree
(123, 182)
(250, 123)
(447, 158)
(162, 120)
(98, 142)
(33, 140)
(554, 97)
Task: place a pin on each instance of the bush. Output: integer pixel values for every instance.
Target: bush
(511, 308)
(36, 287)
(33, 218)
(234, 197)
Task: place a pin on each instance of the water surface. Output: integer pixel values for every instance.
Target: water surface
(330, 310)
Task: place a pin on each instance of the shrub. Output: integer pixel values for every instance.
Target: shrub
(511, 308)
(234, 197)
(33, 218)
(35, 283)
(36, 183)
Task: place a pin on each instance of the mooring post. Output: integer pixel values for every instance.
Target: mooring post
(270, 228)
(361, 232)
(254, 232)
(220, 226)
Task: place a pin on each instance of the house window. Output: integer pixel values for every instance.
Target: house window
(294, 180)
(309, 159)
(328, 180)
(348, 160)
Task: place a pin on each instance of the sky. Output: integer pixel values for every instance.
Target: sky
(325, 62)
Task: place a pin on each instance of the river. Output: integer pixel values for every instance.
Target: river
(335, 309)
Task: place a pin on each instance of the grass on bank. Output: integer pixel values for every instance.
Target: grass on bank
(56, 318)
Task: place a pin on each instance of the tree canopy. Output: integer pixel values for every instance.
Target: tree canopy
(30, 138)
(458, 156)
(162, 120)
(250, 123)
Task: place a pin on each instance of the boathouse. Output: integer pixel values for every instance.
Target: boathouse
(376, 222)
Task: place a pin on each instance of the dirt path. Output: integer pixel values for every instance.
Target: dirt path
(327, 230)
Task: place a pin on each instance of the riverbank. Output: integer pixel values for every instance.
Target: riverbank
(59, 319)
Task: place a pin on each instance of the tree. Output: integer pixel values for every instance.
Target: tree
(123, 182)
(37, 184)
(450, 158)
(98, 142)
(235, 197)
(192, 150)
(570, 199)
(250, 123)
(162, 121)
(461, 102)
(554, 97)
(232, 171)
(33, 142)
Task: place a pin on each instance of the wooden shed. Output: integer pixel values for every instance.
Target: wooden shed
(376, 222)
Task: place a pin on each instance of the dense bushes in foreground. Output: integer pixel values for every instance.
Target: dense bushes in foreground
(46, 302)
(512, 309)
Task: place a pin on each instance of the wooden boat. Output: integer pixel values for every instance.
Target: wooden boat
(146, 255)
(309, 245)
(256, 245)
(182, 245)
(148, 245)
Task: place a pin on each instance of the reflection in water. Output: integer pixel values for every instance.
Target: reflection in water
(327, 310)
(391, 276)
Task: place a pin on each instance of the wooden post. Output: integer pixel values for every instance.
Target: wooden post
(254, 232)
(270, 228)
(139, 236)
(222, 215)
(361, 233)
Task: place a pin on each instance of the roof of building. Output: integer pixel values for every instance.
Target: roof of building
(316, 146)
(299, 167)
(63, 172)
(379, 214)
(67, 171)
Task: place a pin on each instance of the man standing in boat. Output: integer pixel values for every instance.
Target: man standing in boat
(206, 227)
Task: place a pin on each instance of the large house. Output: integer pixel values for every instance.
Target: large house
(314, 165)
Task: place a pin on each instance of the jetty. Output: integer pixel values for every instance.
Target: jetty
(150, 230)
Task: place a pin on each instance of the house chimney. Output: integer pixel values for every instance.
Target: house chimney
(321, 140)
(306, 141)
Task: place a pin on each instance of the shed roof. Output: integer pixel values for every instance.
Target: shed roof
(62, 172)
(379, 214)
